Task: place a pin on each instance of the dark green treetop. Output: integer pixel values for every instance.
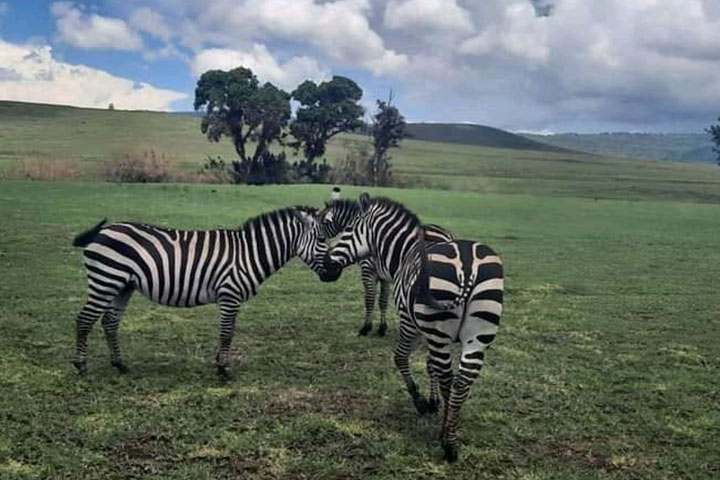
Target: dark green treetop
(326, 109)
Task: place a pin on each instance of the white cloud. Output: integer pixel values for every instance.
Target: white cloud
(611, 62)
(520, 33)
(423, 16)
(166, 52)
(92, 31)
(521, 64)
(149, 21)
(287, 75)
(31, 74)
(339, 29)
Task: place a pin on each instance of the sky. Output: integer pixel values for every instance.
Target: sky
(523, 65)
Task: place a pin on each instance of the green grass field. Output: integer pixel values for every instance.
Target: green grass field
(606, 365)
(91, 136)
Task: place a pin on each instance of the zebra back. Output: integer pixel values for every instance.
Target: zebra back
(436, 234)
(193, 267)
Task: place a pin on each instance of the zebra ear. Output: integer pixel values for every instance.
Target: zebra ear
(364, 201)
(307, 218)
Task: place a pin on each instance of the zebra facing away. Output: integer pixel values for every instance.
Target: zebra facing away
(448, 293)
(335, 217)
(186, 268)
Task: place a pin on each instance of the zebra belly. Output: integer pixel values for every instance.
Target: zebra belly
(182, 300)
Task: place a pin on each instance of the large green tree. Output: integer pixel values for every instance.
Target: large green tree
(234, 104)
(325, 110)
(387, 129)
(714, 131)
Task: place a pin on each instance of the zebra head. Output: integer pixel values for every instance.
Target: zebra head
(354, 242)
(312, 245)
(337, 215)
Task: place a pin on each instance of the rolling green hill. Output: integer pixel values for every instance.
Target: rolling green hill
(90, 136)
(478, 135)
(678, 147)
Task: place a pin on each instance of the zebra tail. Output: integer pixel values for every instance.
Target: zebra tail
(422, 284)
(84, 239)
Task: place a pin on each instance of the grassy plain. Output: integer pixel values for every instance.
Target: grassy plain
(606, 366)
(91, 136)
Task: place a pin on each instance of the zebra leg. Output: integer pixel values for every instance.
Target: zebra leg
(228, 312)
(471, 361)
(434, 399)
(407, 341)
(478, 331)
(439, 367)
(110, 322)
(384, 300)
(369, 279)
(94, 308)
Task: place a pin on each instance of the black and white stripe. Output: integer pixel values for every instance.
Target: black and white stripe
(336, 216)
(445, 293)
(186, 268)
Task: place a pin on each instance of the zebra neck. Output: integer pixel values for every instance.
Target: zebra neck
(400, 258)
(267, 244)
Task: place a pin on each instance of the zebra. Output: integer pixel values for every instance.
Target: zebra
(448, 293)
(335, 217)
(187, 268)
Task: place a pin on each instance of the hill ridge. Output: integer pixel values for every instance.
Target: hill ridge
(477, 135)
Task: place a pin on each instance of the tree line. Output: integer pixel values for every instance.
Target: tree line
(256, 117)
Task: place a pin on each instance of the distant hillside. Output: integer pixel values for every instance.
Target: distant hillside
(86, 138)
(478, 135)
(679, 147)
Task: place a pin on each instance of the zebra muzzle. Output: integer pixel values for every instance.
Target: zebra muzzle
(331, 271)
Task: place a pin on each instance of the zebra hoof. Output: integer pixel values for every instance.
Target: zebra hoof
(81, 367)
(223, 372)
(364, 330)
(381, 330)
(433, 405)
(421, 405)
(120, 365)
(451, 453)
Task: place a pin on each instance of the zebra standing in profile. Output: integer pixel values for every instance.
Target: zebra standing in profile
(448, 293)
(186, 268)
(335, 217)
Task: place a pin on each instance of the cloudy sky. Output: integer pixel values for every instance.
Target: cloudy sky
(531, 65)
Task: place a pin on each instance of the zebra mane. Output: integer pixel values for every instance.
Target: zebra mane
(280, 214)
(397, 206)
(342, 205)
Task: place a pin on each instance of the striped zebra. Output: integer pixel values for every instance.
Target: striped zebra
(335, 217)
(446, 293)
(186, 268)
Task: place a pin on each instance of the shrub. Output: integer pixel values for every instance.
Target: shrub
(46, 169)
(270, 168)
(145, 167)
(305, 171)
(215, 170)
(355, 168)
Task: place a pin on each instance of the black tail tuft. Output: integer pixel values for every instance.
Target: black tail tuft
(422, 284)
(84, 239)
